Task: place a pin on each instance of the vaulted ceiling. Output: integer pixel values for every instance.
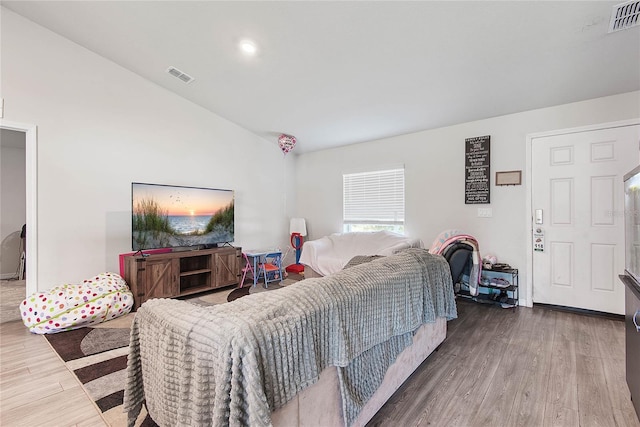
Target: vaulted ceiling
(336, 73)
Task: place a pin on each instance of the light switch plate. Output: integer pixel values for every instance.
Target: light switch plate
(485, 212)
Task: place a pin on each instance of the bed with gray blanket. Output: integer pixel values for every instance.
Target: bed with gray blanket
(237, 363)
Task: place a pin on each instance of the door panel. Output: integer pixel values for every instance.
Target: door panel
(161, 280)
(561, 201)
(602, 200)
(226, 269)
(577, 182)
(562, 264)
(603, 266)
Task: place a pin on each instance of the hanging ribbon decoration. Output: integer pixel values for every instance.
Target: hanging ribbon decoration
(286, 142)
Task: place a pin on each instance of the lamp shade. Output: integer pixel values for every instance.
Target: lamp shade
(298, 225)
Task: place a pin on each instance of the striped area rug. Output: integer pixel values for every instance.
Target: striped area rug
(98, 355)
(98, 358)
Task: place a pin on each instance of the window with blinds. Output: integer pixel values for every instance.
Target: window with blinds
(373, 201)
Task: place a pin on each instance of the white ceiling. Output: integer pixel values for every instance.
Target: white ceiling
(336, 73)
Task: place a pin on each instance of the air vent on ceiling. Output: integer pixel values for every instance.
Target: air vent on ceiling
(625, 15)
(179, 74)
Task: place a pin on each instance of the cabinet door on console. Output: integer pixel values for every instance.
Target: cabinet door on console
(161, 278)
(227, 269)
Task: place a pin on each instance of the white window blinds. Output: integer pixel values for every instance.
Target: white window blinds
(374, 197)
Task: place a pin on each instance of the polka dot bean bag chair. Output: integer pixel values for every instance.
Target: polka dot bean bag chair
(67, 307)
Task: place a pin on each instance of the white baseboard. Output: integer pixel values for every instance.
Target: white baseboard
(7, 276)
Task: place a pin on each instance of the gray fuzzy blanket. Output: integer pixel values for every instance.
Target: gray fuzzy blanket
(233, 364)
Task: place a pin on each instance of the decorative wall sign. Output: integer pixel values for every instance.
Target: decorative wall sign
(509, 178)
(477, 181)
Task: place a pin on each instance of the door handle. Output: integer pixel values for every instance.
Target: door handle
(635, 322)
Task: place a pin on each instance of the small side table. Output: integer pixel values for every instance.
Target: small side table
(259, 257)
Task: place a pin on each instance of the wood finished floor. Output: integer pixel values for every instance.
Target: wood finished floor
(524, 367)
(36, 388)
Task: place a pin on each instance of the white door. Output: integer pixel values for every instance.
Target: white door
(577, 188)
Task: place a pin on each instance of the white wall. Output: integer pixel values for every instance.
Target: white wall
(12, 200)
(100, 127)
(434, 175)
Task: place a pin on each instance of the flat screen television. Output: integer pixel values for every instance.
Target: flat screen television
(632, 224)
(171, 216)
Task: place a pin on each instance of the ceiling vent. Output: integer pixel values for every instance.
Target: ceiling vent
(625, 15)
(186, 78)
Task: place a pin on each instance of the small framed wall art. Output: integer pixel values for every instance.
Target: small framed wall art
(509, 178)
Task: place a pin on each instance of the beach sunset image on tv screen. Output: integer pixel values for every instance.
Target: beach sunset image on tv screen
(166, 216)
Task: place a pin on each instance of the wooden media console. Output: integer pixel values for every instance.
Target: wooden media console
(181, 273)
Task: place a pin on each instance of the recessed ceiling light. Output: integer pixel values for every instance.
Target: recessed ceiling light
(248, 47)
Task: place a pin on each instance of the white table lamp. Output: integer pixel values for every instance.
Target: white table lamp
(298, 226)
